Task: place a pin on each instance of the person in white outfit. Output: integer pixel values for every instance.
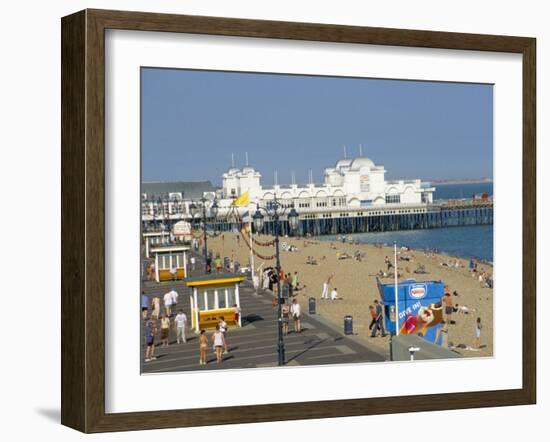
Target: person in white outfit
(181, 324)
(296, 312)
(334, 294)
(324, 294)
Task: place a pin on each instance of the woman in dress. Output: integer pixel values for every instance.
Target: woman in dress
(219, 343)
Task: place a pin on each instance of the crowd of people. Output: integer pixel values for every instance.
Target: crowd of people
(158, 323)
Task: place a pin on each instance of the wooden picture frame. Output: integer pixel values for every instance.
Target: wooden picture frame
(83, 219)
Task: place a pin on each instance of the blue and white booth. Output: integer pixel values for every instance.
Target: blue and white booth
(418, 306)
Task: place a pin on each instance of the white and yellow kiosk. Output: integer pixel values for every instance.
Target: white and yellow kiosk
(213, 296)
(168, 259)
(152, 239)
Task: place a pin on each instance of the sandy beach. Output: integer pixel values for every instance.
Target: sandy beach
(356, 282)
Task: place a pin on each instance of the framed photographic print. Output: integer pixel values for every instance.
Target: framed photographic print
(275, 220)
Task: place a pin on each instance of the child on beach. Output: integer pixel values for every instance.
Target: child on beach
(203, 345)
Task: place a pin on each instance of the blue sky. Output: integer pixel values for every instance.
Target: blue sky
(193, 120)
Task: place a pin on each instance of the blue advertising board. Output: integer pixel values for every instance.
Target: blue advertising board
(419, 306)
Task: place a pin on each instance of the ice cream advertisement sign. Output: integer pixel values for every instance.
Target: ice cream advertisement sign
(417, 291)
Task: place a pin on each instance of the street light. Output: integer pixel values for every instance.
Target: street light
(275, 210)
(201, 209)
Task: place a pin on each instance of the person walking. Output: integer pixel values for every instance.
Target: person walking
(203, 347)
(478, 332)
(164, 330)
(181, 325)
(223, 328)
(167, 300)
(150, 332)
(296, 312)
(326, 284)
(373, 316)
(379, 320)
(156, 308)
(447, 302)
(218, 264)
(218, 343)
(174, 304)
(285, 315)
(144, 305)
(193, 263)
(295, 281)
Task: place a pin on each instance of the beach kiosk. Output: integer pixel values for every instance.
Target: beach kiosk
(213, 296)
(170, 258)
(418, 305)
(152, 239)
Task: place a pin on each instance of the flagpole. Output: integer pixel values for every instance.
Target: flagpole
(395, 286)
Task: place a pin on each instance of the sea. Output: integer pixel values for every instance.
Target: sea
(464, 241)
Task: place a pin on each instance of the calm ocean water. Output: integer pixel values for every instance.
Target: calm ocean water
(454, 191)
(466, 241)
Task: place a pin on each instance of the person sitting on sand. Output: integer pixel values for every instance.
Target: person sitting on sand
(311, 260)
(463, 309)
(334, 294)
(420, 270)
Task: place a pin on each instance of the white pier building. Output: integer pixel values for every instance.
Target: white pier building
(357, 183)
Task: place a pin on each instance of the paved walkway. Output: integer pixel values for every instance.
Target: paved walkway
(255, 344)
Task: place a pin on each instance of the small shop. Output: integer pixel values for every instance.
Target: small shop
(152, 239)
(418, 306)
(212, 297)
(170, 262)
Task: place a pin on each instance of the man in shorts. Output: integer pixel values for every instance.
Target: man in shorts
(447, 303)
(150, 331)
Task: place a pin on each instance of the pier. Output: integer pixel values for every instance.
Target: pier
(362, 220)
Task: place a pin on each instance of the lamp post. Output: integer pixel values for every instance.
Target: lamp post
(203, 209)
(275, 210)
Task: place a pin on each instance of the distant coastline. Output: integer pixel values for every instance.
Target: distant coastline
(461, 181)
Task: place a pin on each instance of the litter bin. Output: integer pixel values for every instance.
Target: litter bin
(348, 325)
(311, 306)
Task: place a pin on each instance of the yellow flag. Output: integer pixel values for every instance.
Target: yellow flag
(242, 201)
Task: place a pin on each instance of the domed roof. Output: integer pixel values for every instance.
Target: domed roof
(232, 171)
(360, 162)
(248, 169)
(342, 163)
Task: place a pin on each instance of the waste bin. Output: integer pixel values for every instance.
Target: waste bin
(311, 306)
(348, 325)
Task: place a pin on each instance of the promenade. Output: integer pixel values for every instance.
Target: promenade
(255, 343)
